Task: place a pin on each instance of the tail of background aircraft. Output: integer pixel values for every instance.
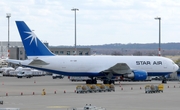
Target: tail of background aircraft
(33, 46)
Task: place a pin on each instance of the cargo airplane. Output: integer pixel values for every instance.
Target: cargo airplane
(105, 67)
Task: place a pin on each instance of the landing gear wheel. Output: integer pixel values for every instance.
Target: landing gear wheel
(88, 81)
(164, 81)
(108, 82)
(93, 81)
(105, 82)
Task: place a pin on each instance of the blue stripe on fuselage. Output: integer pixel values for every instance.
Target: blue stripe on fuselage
(92, 74)
(158, 73)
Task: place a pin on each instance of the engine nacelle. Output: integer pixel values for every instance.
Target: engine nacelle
(137, 75)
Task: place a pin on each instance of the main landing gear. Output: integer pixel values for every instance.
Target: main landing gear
(94, 81)
(164, 80)
(108, 82)
(91, 81)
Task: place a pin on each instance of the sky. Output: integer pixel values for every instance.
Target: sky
(97, 21)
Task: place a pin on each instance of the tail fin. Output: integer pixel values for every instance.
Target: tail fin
(33, 46)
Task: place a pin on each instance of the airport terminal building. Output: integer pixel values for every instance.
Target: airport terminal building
(17, 50)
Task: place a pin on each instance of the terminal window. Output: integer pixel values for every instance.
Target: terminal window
(86, 53)
(21, 52)
(61, 52)
(56, 52)
(74, 52)
(68, 52)
(80, 52)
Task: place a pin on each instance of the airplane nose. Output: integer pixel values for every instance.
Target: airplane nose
(176, 67)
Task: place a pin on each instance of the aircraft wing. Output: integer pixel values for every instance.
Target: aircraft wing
(119, 68)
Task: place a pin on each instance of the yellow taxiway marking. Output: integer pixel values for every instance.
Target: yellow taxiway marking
(58, 107)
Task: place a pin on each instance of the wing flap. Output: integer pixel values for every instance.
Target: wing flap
(38, 62)
(119, 68)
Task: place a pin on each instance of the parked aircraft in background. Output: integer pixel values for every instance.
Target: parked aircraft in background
(105, 67)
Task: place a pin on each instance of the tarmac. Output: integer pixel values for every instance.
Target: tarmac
(26, 94)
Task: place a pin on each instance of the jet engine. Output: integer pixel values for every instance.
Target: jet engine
(137, 75)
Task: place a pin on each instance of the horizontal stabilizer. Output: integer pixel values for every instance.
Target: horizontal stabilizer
(14, 61)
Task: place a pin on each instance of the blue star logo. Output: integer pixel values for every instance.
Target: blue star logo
(32, 36)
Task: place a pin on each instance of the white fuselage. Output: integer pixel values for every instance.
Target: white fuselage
(92, 65)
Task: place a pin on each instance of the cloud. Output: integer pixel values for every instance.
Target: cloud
(98, 21)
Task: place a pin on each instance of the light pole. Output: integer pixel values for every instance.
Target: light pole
(158, 18)
(75, 9)
(8, 15)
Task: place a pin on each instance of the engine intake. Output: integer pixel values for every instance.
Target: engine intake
(137, 75)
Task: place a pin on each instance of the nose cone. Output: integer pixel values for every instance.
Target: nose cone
(176, 67)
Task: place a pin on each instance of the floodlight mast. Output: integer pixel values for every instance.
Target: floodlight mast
(75, 9)
(158, 18)
(8, 15)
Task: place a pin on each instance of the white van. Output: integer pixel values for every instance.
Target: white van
(26, 74)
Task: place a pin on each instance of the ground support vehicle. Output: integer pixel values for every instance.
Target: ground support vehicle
(1, 102)
(160, 87)
(154, 89)
(54, 76)
(75, 79)
(110, 87)
(79, 89)
(147, 89)
(26, 74)
(82, 89)
(102, 87)
(94, 88)
(1, 73)
(88, 107)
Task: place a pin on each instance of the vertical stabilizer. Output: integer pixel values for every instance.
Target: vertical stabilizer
(33, 46)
